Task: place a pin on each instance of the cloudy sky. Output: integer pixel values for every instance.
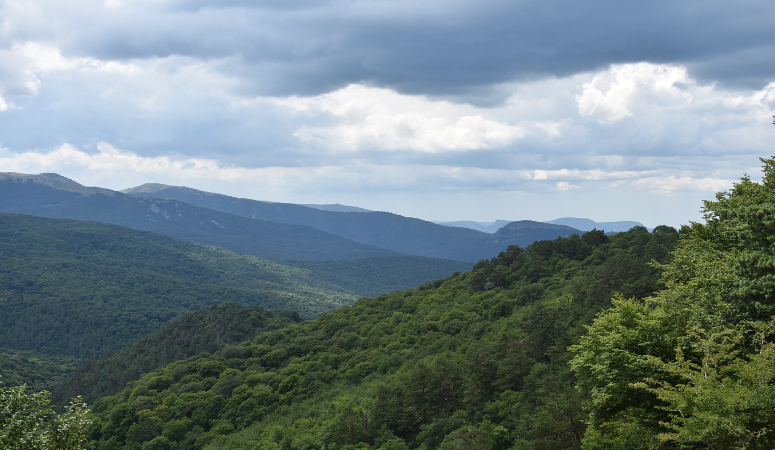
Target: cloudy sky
(443, 110)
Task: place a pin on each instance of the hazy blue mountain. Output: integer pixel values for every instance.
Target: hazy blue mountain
(380, 229)
(587, 224)
(581, 224)
(336, 207)
(54, 181)
(285, 231)
(525, 232)
(41, 195)
(485, 227)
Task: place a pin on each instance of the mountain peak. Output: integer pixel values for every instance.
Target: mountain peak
(525, 232)
(46, 179)
(588, 224)
(54, 181)
(336, 207)
(520, 225)
(147, 188)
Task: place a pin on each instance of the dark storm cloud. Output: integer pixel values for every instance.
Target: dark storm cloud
(447, 48)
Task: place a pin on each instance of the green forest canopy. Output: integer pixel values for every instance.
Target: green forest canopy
(480, 360)
(477, 354)
(693, 366)
(502, 357)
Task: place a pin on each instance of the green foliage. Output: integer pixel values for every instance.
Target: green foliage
(371, 277)
(477, 359)
(27, 422)
(39, 371)
(727, 397)
(220, 327)
(78, 289)
(692, 366)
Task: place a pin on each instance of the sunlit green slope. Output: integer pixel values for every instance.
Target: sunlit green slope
(480, 356)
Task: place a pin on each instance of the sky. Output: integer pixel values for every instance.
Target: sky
(442, 110)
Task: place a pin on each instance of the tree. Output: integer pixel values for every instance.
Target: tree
(28, 422)
(693, 366)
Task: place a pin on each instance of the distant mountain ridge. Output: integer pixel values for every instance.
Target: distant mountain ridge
(588, 225)
(41, 196)
(379, 229)
(522, 231)
(581, 224)
(336, 207)
(485, 227)
(283, 231)
(54, 181)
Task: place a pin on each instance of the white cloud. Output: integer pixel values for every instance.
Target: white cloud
(29, 63)
(565, 186)
(113, 165)
(113, 4)
(383, 119)
(671, 185)
(588, 175)
(45, 57)
(611, 94)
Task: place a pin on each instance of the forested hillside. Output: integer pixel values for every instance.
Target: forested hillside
(37, 370)
(479, 356)
(206, 330)
(638, 340)
(77, 288)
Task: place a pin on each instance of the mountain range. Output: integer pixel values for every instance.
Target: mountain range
(378, 229)
(594, 340)
(280, 231)
(581, 224)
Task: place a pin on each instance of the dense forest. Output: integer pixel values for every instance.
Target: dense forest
(637, 340)
(73, 288)
(206, 330)
(480, 354)
(79, 288)
(694, 365)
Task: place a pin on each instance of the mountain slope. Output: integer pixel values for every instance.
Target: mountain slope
(381, 229)
(37, 370)
(77, 288)
(525, 232)
(580, 224)
(206, 330)
(480, 356)
(587, 224)
(37, 195)
(485, 227)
